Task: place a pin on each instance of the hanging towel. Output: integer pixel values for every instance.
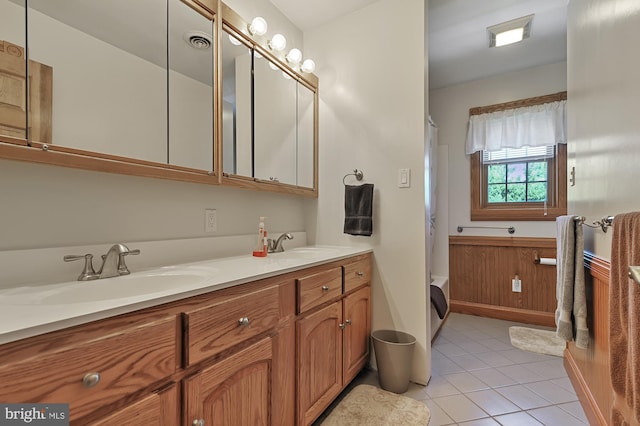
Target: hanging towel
(358, 209)
(439, 301)
(570, 288)
(624, 321)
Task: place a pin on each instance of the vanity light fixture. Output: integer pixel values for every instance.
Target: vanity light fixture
(258, 26)
(510, 32)
(294, 56)
(278, 42)
(308, 66)
(234, 40)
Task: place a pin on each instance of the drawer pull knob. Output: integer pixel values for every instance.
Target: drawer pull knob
(243, 322)
(341, 325)
(360, 274)
(91, 379)
(325, 288)
(198, 422)
(348, 322)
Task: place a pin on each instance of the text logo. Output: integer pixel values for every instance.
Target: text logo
(34, 414)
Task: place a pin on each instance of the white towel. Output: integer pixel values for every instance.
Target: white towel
(570, 288)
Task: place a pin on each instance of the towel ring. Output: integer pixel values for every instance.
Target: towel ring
(357, 173)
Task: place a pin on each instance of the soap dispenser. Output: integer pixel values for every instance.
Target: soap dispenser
(260, 249)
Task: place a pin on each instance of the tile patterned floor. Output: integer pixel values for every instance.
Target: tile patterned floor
(478, 378)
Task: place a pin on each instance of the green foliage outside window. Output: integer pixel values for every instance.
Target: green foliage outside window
(519, 182)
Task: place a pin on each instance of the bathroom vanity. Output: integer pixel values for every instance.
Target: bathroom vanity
(270, 348)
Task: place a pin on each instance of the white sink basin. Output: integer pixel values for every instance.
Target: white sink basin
(311, 252)
(104, 289)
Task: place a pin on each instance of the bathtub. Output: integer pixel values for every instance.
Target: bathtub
(436, 322)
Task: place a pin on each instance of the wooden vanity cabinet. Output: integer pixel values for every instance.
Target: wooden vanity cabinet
(161, 408)
(332, 336)
(234, 391)
(93, 365)
(271, 352)
(319, 368)
(357, 320)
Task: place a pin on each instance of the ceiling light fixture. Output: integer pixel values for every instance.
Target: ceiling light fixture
(510, 32)
(278, 42)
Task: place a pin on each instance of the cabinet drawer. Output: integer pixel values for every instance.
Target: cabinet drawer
(125, 360)
(357, 274)
(229, 321)
(313, 290)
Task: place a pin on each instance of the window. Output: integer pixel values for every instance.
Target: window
(519, 159)
(523, 184)
(517, 175)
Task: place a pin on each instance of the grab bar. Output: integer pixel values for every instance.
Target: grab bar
(509, 229)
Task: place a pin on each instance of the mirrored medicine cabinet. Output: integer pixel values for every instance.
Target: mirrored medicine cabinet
(147, 88)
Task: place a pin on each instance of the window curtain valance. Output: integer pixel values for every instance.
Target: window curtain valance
(537, 125)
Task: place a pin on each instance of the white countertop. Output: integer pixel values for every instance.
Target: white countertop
(31, 310)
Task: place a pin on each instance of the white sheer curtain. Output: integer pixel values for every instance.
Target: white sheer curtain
(538, 125)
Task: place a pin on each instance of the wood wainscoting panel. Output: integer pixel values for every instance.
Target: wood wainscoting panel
(589, 368)
(481, 270)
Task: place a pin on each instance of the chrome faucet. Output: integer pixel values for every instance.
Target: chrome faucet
(275, 246)
(113, 264)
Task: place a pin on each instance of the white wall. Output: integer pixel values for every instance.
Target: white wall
(449, 108)
(372, 116)
(49, 206)
(603, 125)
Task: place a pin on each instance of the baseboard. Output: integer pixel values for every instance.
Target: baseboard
(587, 400)
(500, 312)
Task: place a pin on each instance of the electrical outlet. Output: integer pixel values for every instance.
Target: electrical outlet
(210, 220)
(516, 285)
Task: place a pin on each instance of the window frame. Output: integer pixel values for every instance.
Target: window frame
(556, 193)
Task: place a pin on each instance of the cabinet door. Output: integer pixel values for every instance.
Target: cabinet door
(357, 319)
(319, 369)
(160, 408)
(234, 391)
(13, 105)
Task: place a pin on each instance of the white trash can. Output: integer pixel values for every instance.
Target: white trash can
(394, 357)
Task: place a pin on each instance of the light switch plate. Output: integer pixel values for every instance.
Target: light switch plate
(404, 178)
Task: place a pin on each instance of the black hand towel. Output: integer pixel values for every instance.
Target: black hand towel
(439, 301)
(358, 209)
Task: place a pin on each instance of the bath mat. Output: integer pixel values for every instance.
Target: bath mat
(368, 405)
(534, 340)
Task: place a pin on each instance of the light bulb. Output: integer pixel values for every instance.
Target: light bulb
(294, 56)
(308, 66)
(278, 42)
(286, 75)
(273, 66)
(257, 54)
(258, 26)
(234, 40)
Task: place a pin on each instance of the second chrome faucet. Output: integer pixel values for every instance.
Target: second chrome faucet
(275, 246)
(113, 264)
